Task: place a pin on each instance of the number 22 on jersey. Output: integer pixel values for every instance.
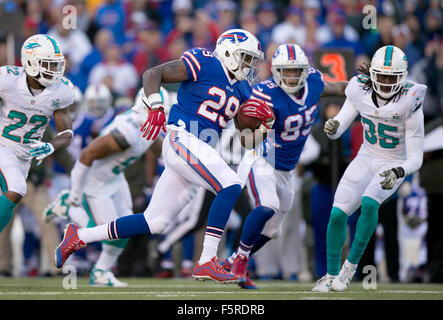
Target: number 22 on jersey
(38, 120)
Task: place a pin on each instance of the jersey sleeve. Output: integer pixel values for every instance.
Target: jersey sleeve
(65, 96)
(316, 81)
(6, 74)
(417, 97)
(123, 127)
(353, 86)
(194, 60)
(2, 79)
(259, 92)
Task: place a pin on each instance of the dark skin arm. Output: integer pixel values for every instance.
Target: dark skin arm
(62, 120)
(99, 148)
(169, 72)
(334, 88)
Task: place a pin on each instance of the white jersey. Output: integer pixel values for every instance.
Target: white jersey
(385, 127)
(25, 116)
(106, 175)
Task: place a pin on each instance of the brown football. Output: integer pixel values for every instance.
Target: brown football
(245, 121)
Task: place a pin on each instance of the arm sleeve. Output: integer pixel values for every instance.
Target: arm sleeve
(414, 139)
(78, 176)
(346, 116)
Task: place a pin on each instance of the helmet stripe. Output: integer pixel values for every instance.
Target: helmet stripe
(291, 52)
(388, 56)
(54, 43)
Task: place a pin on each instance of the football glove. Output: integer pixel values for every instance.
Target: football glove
(258, 109)
(40, 150)
(74, 199)
(156, 119)
(390, 177)
(331, 126)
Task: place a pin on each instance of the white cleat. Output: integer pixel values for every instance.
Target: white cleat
(343, 280)
(324, 283)
(104, 278)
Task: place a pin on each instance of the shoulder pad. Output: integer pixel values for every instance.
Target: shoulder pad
(354, 86)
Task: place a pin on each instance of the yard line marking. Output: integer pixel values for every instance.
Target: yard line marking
(189, 293)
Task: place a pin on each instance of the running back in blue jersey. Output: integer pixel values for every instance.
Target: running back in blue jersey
(209, 98)
(294, 116)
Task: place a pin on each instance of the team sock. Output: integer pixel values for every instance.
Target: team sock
(124, 227)
(217, 218)
(6, 211)
(366, 225)
(335, 239)
(254, 224)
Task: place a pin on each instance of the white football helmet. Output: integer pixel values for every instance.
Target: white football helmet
(391, 61)
(98, 99)
(290, 56)
(42, 59)
(239, 51)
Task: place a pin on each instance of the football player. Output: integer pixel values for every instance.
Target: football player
(99, 191)
(32, 95)
(292, 92)
(213, 86)
(98, 103)
(390, 109)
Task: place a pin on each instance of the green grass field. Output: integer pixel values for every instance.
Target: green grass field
(178, 289)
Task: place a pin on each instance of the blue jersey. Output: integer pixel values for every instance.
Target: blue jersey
(294, 116)
(82, 128)
(209, 98)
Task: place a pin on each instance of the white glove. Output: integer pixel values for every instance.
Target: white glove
(331, 126)
(74, 199)
(391, 177)
(40, 150)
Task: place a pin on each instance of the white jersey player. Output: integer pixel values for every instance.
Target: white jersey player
(99, 190)
(32, 96)
(389, 106)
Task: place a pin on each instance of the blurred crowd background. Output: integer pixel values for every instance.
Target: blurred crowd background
(115, 41)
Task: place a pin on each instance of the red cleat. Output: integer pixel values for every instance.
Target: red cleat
(212, 270)
(240, 266)
(226, 265)
(70, 244)
(240, 269)
(247, 283)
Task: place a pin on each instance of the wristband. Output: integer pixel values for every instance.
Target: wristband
(399, 171)
(153, 100)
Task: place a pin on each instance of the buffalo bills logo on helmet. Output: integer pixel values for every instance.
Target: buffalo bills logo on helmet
(234, 37)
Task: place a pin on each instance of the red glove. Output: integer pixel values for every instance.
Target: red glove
(156, 121)
(258, 109)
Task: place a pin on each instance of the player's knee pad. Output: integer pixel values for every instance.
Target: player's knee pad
(272, 228)
(157, 226)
